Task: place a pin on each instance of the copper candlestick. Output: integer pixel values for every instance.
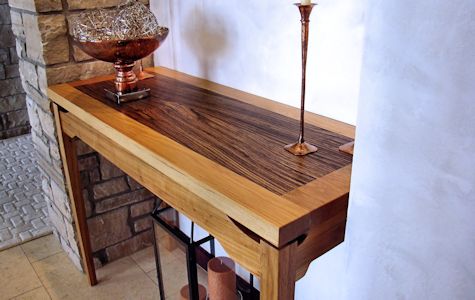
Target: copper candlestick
(301, 147)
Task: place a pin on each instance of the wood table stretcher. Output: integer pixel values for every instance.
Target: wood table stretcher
(216, 155)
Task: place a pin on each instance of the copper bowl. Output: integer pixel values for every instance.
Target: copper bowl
(123, 53)
(123, 50)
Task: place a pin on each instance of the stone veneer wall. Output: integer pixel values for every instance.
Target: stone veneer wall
(13, 114)
(46, 57)
(116, 202)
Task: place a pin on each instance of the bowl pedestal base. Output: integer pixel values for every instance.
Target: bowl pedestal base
(119, 97)
(126, 88)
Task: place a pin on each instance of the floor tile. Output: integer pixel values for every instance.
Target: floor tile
(175, 274)
(173, 270)
(146, 258)
(16, 274)
(174, 279)
(153, 276)
(121, 279)
(41, 248)
(36, 294)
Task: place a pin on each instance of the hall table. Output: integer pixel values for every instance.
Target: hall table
(216, 155)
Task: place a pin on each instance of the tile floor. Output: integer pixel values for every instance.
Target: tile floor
(23, 209)
(40, 270)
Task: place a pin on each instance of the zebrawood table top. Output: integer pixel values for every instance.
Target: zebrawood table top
(239, 136)
(228, 142)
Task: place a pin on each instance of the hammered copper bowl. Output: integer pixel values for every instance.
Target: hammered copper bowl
(122, 50)
(123, 53)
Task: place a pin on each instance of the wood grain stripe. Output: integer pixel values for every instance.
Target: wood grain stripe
(244, 138)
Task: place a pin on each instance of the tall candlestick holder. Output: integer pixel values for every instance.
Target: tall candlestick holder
(301, 147)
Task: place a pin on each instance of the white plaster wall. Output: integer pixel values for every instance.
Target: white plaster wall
(411, 229)
(255, 46)
(410, 233)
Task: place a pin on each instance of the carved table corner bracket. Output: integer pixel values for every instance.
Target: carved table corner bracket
(255, 237)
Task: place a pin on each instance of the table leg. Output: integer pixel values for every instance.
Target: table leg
(278, 267)
(70, 166)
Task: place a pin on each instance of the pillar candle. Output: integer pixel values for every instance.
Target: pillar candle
(221, 279)
(185, 292)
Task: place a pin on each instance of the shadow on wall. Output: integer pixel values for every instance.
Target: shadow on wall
(207, 36)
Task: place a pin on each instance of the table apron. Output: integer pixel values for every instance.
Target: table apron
(240, 246)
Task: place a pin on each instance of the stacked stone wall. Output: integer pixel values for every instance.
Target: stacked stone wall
(13, 114)
(46, 57)
(115, 201)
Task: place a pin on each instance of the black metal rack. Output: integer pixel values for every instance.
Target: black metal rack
(195, 254)
(190, 248)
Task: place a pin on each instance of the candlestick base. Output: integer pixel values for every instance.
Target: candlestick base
(301, 149)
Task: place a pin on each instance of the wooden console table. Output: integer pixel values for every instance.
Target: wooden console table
(216, 155)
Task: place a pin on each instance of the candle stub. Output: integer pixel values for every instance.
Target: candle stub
(221, 279)
(306, 2)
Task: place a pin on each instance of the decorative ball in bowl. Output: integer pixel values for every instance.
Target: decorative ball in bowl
(120, 36)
